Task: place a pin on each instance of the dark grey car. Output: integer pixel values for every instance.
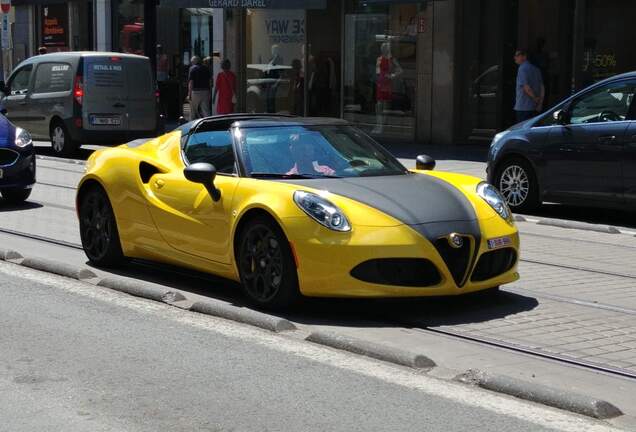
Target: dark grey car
(582, 151)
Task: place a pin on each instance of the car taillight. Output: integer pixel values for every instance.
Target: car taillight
(78, 89)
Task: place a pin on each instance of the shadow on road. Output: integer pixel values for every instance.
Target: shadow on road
(27, 205)
(621, 218)
(413, 312)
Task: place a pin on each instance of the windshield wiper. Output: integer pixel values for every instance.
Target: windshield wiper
(290, 176)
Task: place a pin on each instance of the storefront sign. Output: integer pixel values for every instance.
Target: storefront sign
(247, 4)
(55, 25)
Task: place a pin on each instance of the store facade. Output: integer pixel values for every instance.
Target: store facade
(436, 71)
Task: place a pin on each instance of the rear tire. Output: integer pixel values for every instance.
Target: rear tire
(98, 229)
(61, 141)
(15, 195)
(517, 182)
(266, 265)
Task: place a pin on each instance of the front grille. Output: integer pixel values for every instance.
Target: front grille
(408, 272)
(494, 263)
(457, 259)
(8, 157)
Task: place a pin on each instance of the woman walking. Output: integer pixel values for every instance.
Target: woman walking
(225, 88)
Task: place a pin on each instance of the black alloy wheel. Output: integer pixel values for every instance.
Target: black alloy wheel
(517, 183)
(266, 265)
(15, 195)
(98, 229)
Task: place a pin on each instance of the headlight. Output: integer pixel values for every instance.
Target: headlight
(322, 211)
(22, 138)
(496, 143)
(491, 195)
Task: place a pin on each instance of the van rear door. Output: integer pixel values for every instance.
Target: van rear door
(142, 102)
(105, 94)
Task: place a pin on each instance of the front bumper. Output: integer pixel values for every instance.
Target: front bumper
(325, 259)
(21, 173)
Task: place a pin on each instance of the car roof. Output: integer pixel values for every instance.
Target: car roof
(289, 122)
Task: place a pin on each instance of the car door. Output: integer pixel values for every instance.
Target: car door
(16, 102)
(185, 214)
(583, 156)
(53, 82)
(629, 159)
(141, 101)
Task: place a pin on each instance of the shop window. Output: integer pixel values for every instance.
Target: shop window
(130, 26)
(380, 69)
(275, 67)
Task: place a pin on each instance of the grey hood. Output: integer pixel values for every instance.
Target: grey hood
(429, 205)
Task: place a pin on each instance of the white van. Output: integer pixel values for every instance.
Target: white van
(75, 98)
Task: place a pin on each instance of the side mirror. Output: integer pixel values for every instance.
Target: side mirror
(561, 116)
(203, 173)
(424, 162)
(3, 111)
(181, 121)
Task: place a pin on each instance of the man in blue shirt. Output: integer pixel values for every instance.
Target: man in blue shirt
(529, 89)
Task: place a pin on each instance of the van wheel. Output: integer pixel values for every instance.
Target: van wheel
(61, 141)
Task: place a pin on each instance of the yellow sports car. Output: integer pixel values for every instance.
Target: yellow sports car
(295, 206)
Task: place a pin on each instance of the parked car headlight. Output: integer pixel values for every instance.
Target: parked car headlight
(491, 195)
(322, 211)
(22, 138)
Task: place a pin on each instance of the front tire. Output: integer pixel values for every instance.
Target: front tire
(15, 195)
(266, 265)
(61, 141)
(517, 182)
(98, 229)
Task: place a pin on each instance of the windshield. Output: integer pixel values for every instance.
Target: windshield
(313, 152)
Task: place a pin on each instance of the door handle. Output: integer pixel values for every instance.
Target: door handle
(119, 105)
(159, 183)
(607, 139)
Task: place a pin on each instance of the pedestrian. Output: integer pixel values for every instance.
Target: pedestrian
(225, 88)
(530, 91)
(198, 89)
(42, 50)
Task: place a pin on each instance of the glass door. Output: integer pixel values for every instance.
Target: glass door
(275, 61)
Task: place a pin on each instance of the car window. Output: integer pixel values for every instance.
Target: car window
(53, 77)
(214, 147)
(604, 104)
(341, 151)
(20, 81)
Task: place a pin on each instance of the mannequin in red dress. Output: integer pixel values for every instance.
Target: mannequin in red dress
(225, 89)
(386, 70)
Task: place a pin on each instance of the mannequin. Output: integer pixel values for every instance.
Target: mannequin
(386, 70)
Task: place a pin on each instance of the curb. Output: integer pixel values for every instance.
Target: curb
(371, 349)
(59, 159)
(10, 255)
(141, 289)
(607, 229)
(59, 268)
(242, 315)
(568, 401)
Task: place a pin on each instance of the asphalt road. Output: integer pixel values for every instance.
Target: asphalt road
(78, 358)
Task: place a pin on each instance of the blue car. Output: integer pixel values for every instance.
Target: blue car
(17, 162)
(580, 152)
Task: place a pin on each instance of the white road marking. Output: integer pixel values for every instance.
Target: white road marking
(503, 405)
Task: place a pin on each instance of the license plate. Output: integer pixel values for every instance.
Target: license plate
(105, 121)
(499, 242)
